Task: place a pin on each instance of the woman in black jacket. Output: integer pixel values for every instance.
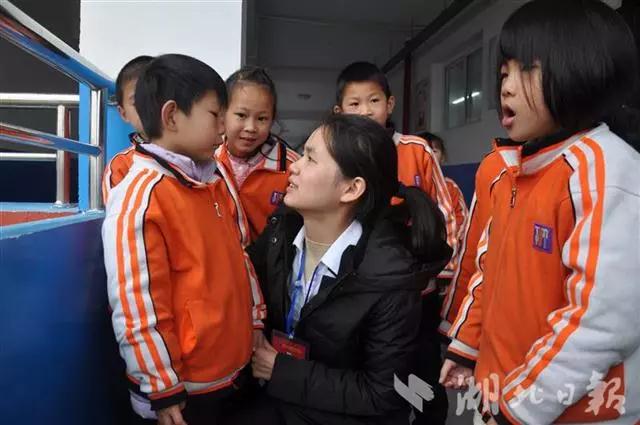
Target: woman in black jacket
(342, 272)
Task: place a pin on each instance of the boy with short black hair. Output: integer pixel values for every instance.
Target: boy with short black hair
(184, 298)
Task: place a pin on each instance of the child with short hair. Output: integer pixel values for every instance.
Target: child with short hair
(126, 81)
(363, 89)
(550, 319)
(184, 298)
(257, 160)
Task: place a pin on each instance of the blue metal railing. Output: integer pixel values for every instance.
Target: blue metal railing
(19, 29)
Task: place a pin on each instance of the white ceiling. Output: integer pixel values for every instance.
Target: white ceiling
(305, 43)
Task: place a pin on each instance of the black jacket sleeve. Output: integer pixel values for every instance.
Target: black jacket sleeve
(389, 344)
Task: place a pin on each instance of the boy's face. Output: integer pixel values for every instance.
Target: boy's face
(525, 114)
(198, 134)
(366, 98)
(128, 109)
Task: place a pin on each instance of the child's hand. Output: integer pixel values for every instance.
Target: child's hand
(455, 376)
(258, 339)
(171, 415)
(263, 361)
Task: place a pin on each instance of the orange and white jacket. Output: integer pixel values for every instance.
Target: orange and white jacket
(121, 163)
(459, 207)
(183, 292)
(119, 166)
(477, 217)
(264, 187)
(552, 310)
(418, 167)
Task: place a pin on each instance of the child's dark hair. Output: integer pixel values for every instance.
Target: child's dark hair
(130, 71)
(253, 75)
(586, 53)
(363, 148)
(434, 141)
(359, 72)
(180, 78)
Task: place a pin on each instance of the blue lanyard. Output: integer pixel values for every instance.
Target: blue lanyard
(297, 289)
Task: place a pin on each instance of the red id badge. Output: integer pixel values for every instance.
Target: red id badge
(293, 347)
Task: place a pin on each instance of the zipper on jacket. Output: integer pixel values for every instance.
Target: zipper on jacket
(514, 192)
(215, 204)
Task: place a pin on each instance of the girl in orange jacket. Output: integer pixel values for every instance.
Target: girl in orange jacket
(257, 160)
(549, 326)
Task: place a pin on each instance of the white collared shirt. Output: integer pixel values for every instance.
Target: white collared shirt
(329, 264)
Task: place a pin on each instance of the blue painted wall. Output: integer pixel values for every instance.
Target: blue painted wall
(59, 358)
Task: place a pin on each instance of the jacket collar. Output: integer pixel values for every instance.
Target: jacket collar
(162, 163)
(530, 157)
(271, 156)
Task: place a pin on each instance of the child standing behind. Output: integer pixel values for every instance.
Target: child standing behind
(363, 89)
(256, 160)
(126, 81)
(180, 286)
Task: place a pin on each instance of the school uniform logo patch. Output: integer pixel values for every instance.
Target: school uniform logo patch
(276, 197)
(417, 180)
(542, 237)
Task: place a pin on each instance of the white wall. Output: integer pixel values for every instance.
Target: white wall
(112, 32)
(472, 29)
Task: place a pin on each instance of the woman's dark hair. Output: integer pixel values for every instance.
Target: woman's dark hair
(180, 78)
(359, 72)
(362, 148)
(587, 56)
(434, 140)
(253, 75)
(130, 71)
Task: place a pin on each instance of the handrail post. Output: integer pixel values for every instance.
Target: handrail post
(97, 138)
(62, 161)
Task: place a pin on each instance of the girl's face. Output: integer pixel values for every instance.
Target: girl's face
(248, 119)
(316, 184)
(366, 98)
(525, 114)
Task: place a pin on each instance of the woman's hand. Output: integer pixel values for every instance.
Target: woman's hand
(263, 361)
(452, 375)
(171, 415)
(258, 339)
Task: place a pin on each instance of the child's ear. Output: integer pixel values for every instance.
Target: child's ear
(122, 113)
(337, 109)
(391, 103)
(354, 190)
(168, 115)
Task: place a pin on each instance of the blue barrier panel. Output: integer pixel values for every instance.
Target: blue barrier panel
(58, 358)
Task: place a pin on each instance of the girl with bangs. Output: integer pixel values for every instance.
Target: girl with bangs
(551, 310)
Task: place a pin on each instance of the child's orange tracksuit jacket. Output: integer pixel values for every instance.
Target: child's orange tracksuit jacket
(121, 163)
(552, 309)
(418, 167)
(460, 209)
(263, 189)
(184, 296)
